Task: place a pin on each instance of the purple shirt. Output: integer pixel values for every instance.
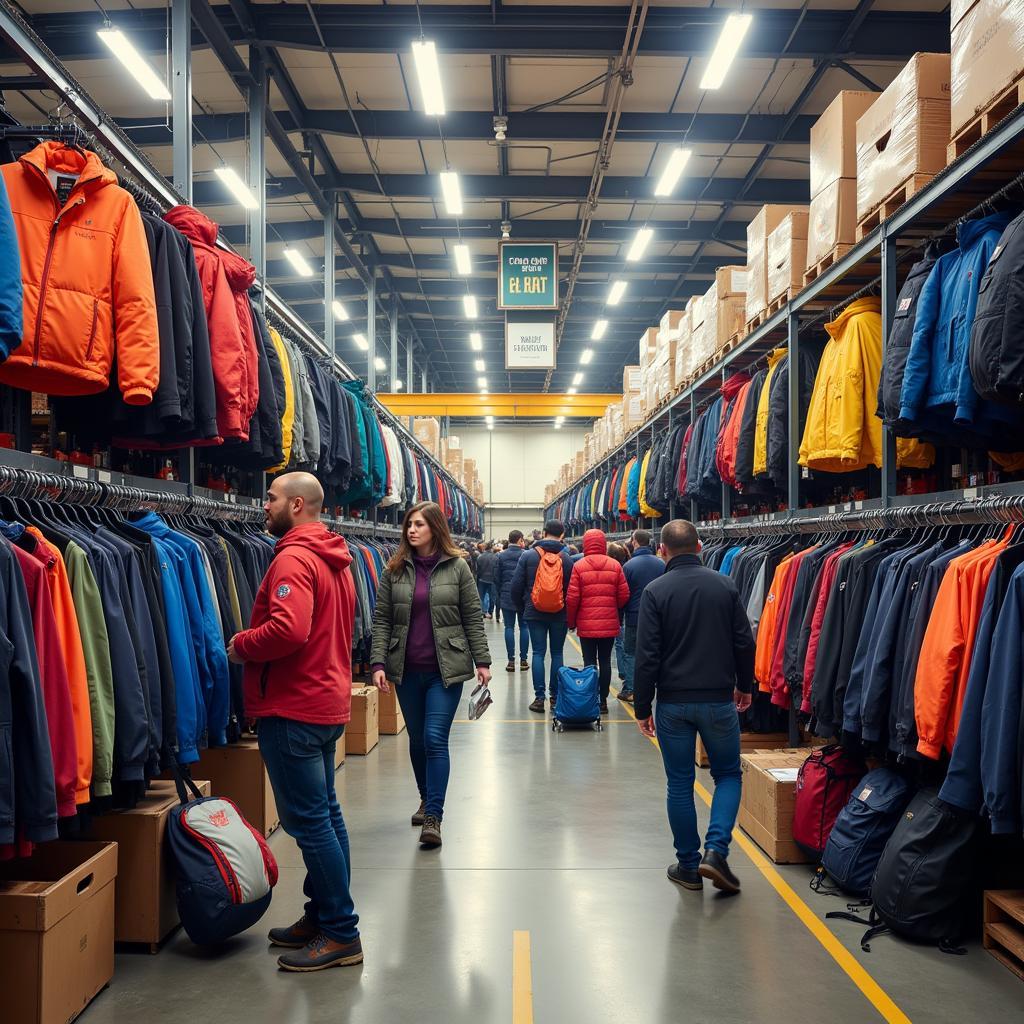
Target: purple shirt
(420, 652)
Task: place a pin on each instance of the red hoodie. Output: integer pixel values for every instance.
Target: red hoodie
(597, 590)
(298, 651)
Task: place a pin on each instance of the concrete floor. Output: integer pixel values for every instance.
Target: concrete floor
(563, 837)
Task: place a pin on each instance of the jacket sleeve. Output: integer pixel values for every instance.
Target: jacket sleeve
(623, 589)
(472, 615)
(225, 351)
(648, 655)
(290, 585)
(915, 374)
(134, 311)
(572, 598)
(742, 645)
(382, 620)
(519, 583)
(11, 326)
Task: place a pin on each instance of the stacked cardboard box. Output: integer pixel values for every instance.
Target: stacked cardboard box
(768, 218)
(391, 722)
(833, 213)
(427, 431)
(363, 730)
(579, 465)
(631, 380)
(478, 492)
(905, 131)
(617, 430)
(724, 307)
(682, 365)
(632, 412)
(699, 348)
(787, 256)
(454, 462)
(769, 795)
(648, 347)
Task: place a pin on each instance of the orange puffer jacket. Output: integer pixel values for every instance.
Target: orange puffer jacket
(87, 283)
(598, 590)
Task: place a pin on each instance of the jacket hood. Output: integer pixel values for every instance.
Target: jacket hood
(317, 538)
(732, 386)
(55, 156)
(550, 545)
(971, 230)
(193, 224)
(869, 304)
(240, 273)
(595, 543)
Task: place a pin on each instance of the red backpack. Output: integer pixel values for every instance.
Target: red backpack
(823, 788)
(548, 593)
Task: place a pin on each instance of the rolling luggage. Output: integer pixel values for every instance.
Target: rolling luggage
(578, 701)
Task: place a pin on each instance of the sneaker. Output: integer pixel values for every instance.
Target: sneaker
(321, 953)
(510, 667)
(417, 818)
(431, 832)
(295, 936)
(604, 707)
(524, 665)
(716, 867)
(687, 879)
(538, 705)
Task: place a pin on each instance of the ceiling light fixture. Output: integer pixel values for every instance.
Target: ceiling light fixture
(640, 242)
(380, 365)
(238, 188)
(299, 262)
(476, 342)
(500, 128)
(489, 420)
(481, 382)
(570, 391)
(463, 263)
(558, 426)
(340, 312)
(361, 342)
(398, 385)
(124, 50)
(618, 289)
(424, 54)
(470, 307)
(677, 161)
(506, 229)
(490, 426)
(577, 380)
(452, 192)
(586, 355)
(733, 31)
(598, 332)
(480, 366)
(559, 419)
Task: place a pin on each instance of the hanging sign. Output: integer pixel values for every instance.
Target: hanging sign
(529, 345)
(528, 275)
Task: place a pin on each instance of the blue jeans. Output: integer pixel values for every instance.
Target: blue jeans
(429, 708)
(486, 591)
(619, 654)
(511, 614)
(300, 762)
(628, 662)
(541, 631)
(719, 727)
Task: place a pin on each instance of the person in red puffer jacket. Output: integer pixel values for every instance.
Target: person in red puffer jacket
(597, 592)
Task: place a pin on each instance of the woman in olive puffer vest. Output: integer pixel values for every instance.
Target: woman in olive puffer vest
(428, 639)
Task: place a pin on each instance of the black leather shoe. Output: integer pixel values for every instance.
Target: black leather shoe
(716, 867)
(538, 706)
(295, 936)
(322, 953)
(687, 879)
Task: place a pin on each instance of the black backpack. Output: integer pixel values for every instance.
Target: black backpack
(925, 881)
(861, 831)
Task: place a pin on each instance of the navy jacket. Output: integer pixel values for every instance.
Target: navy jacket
(526, 574)
(504, 573)
(640, 570)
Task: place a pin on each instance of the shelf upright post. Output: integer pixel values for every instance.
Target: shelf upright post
(889, 295)
(793, 403)
(672, 490)
(410, 371)
(726, 489)
(258, 168)
(694, 510)
(393, 362)
(330, 290)
(371, 330)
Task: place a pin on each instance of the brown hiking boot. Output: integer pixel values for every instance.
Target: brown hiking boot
(538, 706)
(524, 665)
(510, 667)
(417, 818)
(431, 833)
(295, 936)
(321, 953)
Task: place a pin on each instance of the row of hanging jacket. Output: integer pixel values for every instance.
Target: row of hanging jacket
(908, 642)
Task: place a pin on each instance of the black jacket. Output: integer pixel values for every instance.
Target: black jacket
(504, 574)
(778, 414)
(694, 642)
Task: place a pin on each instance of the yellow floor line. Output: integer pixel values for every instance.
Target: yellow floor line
(522, 979)
(872, 991)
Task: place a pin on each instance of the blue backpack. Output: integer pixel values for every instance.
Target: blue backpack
(577, 702)
(861, 831)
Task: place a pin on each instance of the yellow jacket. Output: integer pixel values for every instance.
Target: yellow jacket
(645, 509)
(761, 427)
(288, 416)
(843, 432)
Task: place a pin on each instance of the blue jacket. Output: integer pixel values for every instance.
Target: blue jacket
(937, 372)
(10, 280)
(503, 574)
(643, 567)
(526, 574)
(633, 490)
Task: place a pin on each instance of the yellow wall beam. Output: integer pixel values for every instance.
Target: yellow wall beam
(524, 406)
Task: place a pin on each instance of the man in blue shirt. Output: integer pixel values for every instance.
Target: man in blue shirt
(643, 566)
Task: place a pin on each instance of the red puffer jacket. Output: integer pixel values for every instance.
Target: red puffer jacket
(597, 590)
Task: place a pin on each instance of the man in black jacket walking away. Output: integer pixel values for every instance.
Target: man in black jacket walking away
(695, 652)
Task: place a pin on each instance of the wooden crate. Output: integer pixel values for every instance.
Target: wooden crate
(1003, 105)
(833, 256)
(1004, 928)
(892, 203)
(749, 741)
(779, 301)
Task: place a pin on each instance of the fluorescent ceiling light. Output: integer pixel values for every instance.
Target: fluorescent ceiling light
(481, 382)
(570, 391)
(463, 264)
(598, 332)
(728, 45)
(238, 188)
(558, 426)
(559, 419)
(480, 366)
(299, 262)
(577, 380)
(469, 306)
(340, 312)
(380, 365)
(121, 47)
(618, 289)
(398, 385)
(586, 355)
(361, 342)
(640, 242)
(424, 53)
(489, 420)
(452, 192)
(490, 426)
(673, 171)
(476, 342)
(483, 392)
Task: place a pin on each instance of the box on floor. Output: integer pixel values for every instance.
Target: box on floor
(391, 721)
(769, 796)
(363, 730)
(56, 930)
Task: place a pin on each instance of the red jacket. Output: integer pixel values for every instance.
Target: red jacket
(298, 651)
(597, 590)
(225, 278)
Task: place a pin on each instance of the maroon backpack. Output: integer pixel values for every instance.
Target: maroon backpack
(823, 788)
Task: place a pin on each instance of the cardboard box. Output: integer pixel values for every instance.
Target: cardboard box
(648, 346)
(671, 324)
(905, 131)
(339, 753)
(237, 772)
(454, 442)
(145, 908)
(363, 730)
(454, 462)
(987, 54)
(662, 375)
(787, 255)
(391, 721)
(766, 807)
(723, 317)
(749, 742)
(731, 282)
(957, 9)
(632, 413)
(56, 930)
(832, 220)
(768, 218)
(427, 431)
(834, 139)
(631, 380)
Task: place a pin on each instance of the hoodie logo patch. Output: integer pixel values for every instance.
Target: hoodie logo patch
(283, 591)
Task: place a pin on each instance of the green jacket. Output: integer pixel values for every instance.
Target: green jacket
(455, 616)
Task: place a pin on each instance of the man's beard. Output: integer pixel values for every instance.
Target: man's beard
(279, 525)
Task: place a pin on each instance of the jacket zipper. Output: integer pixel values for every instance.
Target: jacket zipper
(222, 863)
(263, 679)
(92, 329)
(46, 276)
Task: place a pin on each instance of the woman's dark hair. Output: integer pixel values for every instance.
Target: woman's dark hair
(438, 524)
(619, 553)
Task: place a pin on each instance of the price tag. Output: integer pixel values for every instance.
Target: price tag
(832, 508)
(103, 476)
(82, 472)
(858, 504)
(970, 493)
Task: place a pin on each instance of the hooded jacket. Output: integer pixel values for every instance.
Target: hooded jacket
(88, 284)
(725, 455)
(11, 301)
(288, 407)
(298, 649)
(763, 406)
(597, 590)
(526, 574)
